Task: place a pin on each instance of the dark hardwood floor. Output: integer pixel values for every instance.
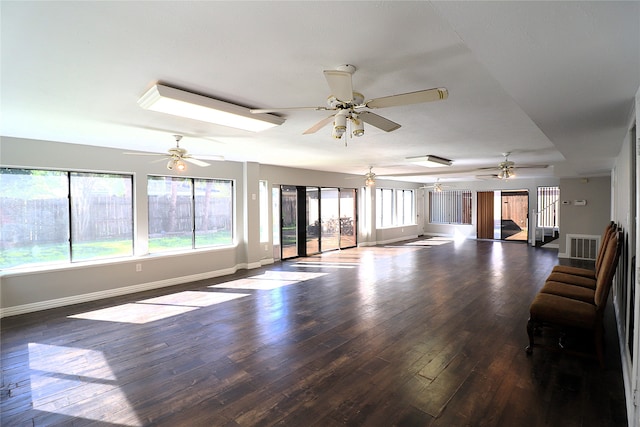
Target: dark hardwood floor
(425, 334)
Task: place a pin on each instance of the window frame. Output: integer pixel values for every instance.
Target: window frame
(70, 197)
(155, 243)
(391, 207)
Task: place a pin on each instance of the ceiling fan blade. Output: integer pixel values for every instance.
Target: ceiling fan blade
(530, 166)
(514, 166)
(215, 157)
(340, 84)
(277, 110)
(427, 95)
(378, 121)
(143, 154)
(315, 128)
(195, 161)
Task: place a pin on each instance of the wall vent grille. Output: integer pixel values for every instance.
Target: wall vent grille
(581, 246)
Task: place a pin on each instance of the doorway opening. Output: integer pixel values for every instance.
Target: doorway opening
(503, 215)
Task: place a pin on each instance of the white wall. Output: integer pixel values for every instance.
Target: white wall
(590, 219)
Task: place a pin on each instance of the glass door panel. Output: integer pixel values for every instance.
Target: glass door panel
(313, 220)
(514, 215)
(289, 224)
(330, 219)
(347, 218)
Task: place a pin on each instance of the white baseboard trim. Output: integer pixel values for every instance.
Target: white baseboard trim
(444, 235)
(386, 242)
(627, 366)
(398, 239)
(77, 299)
(365, 244)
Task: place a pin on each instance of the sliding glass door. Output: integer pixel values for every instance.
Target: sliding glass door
(314, 220)
(330, 218)
(289, 223)
(347, 218)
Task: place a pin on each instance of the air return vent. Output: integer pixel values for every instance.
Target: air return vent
(581, 246)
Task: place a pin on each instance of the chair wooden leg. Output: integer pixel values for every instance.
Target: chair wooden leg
(530, 332)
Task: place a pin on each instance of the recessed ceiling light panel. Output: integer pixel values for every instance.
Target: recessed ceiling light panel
(430, 161)
(177, 102)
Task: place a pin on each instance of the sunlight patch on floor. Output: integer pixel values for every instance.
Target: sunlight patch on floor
(96, 395)
(193, 298)
(158, 308)
(269, 280)
(433, 241)
(316, 264)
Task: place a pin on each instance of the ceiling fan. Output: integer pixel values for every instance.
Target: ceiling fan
(436, 186)
(177, 156)
(507, 168)
(348, 105)
(369, 178)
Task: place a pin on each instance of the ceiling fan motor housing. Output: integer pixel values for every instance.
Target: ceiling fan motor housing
(335, 103)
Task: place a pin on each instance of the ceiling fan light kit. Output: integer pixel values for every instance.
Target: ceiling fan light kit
(370, 178)
(507, 168)
(190, 105)
(340, 124)
(358, 125)
(340, 121)
(176, 164)
(506, 174)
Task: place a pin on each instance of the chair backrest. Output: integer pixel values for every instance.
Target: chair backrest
(608, 231)
(608, 269)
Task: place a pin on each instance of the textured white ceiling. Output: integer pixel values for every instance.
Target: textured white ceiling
(552, 82)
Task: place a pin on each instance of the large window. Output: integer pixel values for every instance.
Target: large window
(404, 207)
(394, 207)
(548, 206)
(57, 216)
(450, 207)
(189, 213)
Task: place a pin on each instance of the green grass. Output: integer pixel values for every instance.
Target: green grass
(59, 253)
(174, 243)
